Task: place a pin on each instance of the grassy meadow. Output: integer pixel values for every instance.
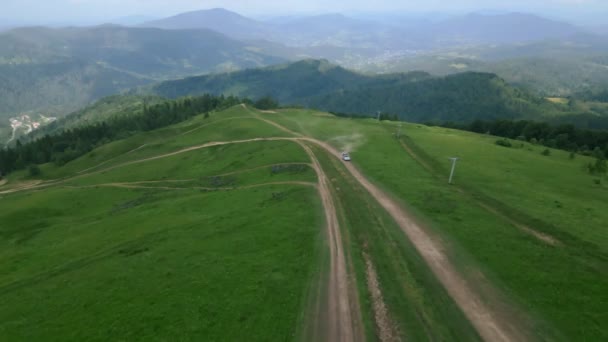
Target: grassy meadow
(233, 236)
(82, 260)
(559, 291)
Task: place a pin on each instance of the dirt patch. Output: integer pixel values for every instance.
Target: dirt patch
(109, 160)
(3, 181)
(22, 186)
(385, 326)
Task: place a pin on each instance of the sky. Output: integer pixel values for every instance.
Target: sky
(46, 11)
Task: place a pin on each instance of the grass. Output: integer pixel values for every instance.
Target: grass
(214, 161)
(158, 267)
(100, 263)
(561, 290)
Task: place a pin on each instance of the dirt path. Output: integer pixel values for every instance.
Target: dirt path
(490, 323)
(138, 185)
(386, 327)
(22, 186)
(214, 122)
(109, 160)
(40, 185)
(343, 325)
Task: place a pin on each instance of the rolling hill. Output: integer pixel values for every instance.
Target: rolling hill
(415, 96)
(56, 71)
(245, 218)
(502, 28)
(218, 19)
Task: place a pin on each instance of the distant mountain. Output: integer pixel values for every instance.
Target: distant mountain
(501, 28)
(548, 68)
(414, 96)
(55, 71)
(326, 29)
(229, 23)
(131, 20)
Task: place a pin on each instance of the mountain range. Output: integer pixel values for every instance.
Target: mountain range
(415, 96)
(340, 30)
(54, 71)
(59, 70)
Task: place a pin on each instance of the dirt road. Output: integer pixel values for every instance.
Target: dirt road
(141, 185)
(490, 323)
(343, 324)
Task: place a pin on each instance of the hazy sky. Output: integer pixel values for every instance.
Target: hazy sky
(84, 10)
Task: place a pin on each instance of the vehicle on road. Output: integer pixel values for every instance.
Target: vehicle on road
(345, 156)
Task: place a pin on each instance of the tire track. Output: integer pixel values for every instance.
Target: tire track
(344, 325)
(490, 323)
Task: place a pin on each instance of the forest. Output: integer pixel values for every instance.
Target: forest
(72, 143)
(562, 136)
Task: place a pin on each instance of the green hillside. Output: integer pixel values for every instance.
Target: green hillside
(247, 224)
(415, 96)
(106, 109)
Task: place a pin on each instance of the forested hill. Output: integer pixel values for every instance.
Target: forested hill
(413, 96)
(56, 71)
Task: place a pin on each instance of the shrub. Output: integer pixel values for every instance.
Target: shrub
(266, 103)
(546, 152)
(503, 142)
(34, 170)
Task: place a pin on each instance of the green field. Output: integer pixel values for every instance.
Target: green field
(87, 259)
(561, 291)
(161, 237)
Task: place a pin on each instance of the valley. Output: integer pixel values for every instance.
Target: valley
(303, 171)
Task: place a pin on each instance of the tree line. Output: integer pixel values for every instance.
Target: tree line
(563, 136)
(73, 143)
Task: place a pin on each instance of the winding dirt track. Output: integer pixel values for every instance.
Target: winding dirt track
(490, 323)
(137, 185)
(342, 324)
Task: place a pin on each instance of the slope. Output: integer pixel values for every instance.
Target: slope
(130, 257)
(532, 224)
(418, 259)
